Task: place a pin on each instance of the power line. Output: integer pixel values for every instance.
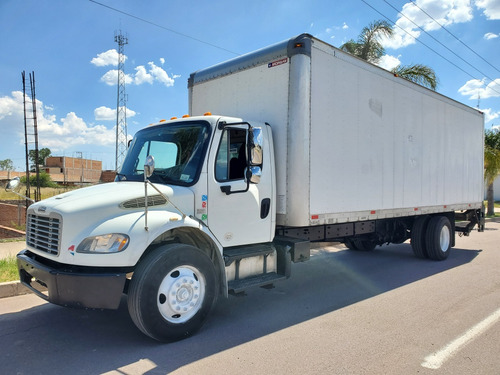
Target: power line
(436, 40)
(449, 32)
(165, 28)
(433, 50)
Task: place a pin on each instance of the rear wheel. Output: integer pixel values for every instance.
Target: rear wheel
(438, 238)
(172, 292)
(418, 232)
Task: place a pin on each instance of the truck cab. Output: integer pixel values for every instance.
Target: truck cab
(198, 190)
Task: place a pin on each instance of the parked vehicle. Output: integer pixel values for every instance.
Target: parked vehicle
(310, 144)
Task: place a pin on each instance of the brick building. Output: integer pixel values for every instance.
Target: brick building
(66, 170)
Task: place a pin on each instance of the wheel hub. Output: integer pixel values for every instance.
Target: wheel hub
(181, 294)
(444, 238)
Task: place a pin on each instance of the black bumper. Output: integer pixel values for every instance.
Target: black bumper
(71, 286)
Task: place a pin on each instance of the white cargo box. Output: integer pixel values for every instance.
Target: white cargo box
(352, 141)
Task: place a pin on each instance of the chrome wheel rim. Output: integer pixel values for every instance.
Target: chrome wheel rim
(181, 294)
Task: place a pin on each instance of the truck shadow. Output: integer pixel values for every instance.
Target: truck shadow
(58, 340)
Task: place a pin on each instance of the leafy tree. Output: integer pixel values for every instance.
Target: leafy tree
(369, 48)
(6, 165)
(45, 180)
(491, 165)
(42, 154)
(418, 73)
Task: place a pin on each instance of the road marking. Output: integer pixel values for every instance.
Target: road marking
(436, 360)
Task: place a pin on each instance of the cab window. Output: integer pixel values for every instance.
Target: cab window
(231, 159)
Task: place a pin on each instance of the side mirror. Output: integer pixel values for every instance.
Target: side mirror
(254, 174)
(255, 143)
(13, 184)
(149, 166)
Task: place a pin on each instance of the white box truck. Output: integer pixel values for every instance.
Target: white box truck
(308, 144)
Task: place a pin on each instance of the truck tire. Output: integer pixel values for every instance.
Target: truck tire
(438, 238)
(172, 292)
(418, 237)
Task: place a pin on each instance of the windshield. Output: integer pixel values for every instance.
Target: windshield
(178, 150)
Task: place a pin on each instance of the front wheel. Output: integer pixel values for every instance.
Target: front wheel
(172, 292)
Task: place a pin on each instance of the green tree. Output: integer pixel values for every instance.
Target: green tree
(491, 165)
(418, 73)
(6, 165)
(42, 155)
(45, 180)
(369, 48)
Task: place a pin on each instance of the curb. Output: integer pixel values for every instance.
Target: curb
(12, 289)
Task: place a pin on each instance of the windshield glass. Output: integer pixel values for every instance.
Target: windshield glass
(178, 150)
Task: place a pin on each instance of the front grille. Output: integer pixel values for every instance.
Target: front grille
(43, 233)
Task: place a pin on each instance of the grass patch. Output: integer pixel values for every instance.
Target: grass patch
(45, 192)
(8, 269)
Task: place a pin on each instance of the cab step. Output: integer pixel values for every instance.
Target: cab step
(238, 286)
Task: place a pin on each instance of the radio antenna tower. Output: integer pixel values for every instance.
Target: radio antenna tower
(121, 104)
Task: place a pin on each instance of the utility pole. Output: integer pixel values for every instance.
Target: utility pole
(31, 132)
(121, 104)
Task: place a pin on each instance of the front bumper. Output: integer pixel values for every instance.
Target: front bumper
(71, 286)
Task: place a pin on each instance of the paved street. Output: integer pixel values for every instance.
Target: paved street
(343, 312)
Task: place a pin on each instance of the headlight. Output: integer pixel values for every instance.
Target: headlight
(106, 243)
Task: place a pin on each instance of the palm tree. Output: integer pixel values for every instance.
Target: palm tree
(418, 73)
(491, 165)
(369, 48)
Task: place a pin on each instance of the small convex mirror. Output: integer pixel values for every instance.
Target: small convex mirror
(255, 145)
(13, 184)
(149, 166)
(254, 174)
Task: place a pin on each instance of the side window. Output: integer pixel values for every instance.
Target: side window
(232, 155)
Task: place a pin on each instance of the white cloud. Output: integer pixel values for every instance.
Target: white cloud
(344, 26)
(389, 62)
(11, 105)
(142, 76)
(110, 57)
(107, 114)
(58, 135)
(489, 115)
(160, 75)
(110, 78)
(489, 36)
(446, 12)
(162, 60)
(475, 89)
(491, 8)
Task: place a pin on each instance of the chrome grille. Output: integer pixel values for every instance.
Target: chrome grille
(43, 233)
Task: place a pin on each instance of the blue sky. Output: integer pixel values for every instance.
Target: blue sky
(70, 47)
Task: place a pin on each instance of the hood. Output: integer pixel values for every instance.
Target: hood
(99, 200)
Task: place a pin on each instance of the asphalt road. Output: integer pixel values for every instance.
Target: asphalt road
(343, 312)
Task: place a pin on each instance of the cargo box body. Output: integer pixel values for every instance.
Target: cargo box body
(352, 141)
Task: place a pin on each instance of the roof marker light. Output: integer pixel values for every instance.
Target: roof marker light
(173, 118)
(163, 120)
(207, 114)
(185, 116)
